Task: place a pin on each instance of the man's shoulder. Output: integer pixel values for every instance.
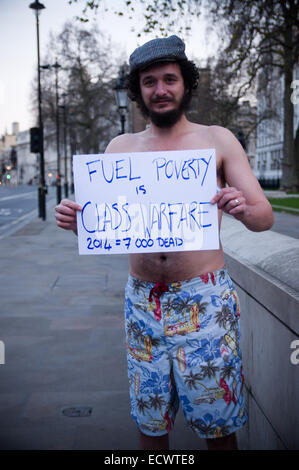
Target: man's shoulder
(214, 132)
(119, 143)
(224, 140)
(220, 132)
(123, 143)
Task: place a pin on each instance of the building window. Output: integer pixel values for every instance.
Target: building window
(275, 159)
(262, 161)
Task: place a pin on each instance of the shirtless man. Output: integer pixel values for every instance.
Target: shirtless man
(191, 355)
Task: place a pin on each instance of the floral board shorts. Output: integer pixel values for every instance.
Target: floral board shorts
(183, 347)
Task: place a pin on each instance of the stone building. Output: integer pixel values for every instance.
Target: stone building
(270, 118)
(24, 166)
(245, 130)
(8, 156)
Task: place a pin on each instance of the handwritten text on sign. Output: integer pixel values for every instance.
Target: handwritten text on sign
(146, 201)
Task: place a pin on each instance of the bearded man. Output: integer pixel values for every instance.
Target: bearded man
(173, 357)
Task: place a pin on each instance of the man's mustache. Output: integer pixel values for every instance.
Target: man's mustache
(161, 100)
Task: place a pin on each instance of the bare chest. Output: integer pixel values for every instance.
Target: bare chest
(172, 266)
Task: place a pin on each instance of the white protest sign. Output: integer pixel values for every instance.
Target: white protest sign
(146, 202)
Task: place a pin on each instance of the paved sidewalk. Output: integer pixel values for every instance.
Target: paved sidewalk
(61, 321)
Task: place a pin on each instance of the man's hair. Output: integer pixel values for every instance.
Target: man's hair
(190, 76)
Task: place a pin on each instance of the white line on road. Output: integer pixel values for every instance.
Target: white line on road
(9, 229)
(16, 196)
(28, 215)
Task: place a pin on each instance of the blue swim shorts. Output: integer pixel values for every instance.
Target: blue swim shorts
(183, 347)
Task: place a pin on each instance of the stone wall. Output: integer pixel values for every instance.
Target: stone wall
(265, 269)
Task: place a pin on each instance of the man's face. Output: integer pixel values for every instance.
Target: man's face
(162, 90)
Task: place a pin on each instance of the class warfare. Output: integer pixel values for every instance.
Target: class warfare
(164, 217)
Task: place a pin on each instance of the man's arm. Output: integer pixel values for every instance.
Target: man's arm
(253, 210)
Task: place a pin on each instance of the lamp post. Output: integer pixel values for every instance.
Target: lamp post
(73, 145)
(63, 107)
(42, 190)
(121, 98)
(56, 66)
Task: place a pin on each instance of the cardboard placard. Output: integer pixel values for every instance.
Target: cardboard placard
(146, 202)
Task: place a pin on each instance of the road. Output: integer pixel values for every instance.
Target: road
(18, 206)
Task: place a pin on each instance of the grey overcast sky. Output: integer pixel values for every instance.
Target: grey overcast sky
(18, 50)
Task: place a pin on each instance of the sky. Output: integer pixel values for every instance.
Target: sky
(18, 47)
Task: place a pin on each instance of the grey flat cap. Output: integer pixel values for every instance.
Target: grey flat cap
(157, 50)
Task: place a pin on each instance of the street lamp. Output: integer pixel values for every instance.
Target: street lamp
(73, 144)
(121, 98)
(37, 7)
(56, 66)
(63, 107)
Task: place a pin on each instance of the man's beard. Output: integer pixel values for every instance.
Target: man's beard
(167, 118)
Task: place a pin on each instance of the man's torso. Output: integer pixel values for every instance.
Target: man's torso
(176, 266)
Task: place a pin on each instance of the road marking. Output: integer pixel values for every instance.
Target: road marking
(5, 212)
(25, 219)
(16, 196)
(6, 227)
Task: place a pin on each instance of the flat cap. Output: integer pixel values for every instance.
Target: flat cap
(157, 50)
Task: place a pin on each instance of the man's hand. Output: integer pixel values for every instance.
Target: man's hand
(65, 214)
(231, 201)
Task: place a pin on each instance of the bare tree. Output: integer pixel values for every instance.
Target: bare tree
(265, 33)
(86, 80)
(212, 102)
(159, 16)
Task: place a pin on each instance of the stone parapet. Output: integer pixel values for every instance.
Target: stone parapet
(264, 267)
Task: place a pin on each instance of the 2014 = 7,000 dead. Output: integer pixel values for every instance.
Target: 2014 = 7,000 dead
(106, 244)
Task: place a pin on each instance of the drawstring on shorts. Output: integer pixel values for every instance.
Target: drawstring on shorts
(156, 292)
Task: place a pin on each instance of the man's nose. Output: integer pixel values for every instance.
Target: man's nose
(161, 88)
